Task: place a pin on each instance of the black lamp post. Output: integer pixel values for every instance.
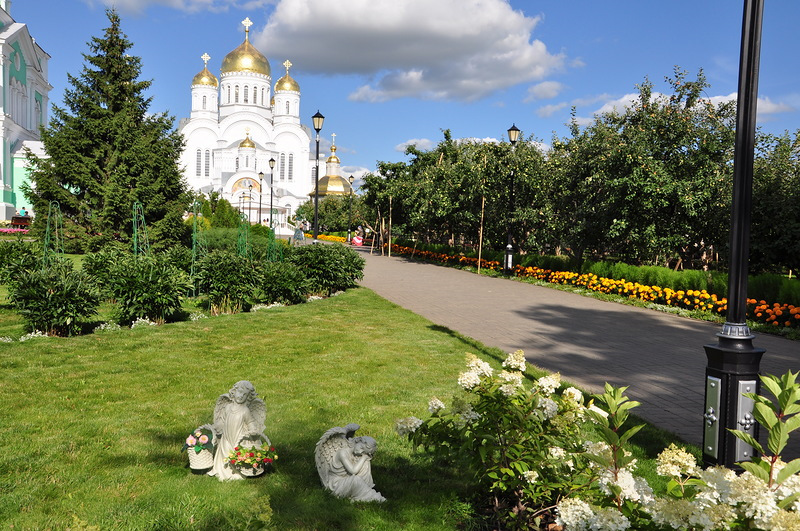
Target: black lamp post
(508, 265)
(250, 204)
(260, 191)
(271, 173)
(350, 209)
(317, 119)
(733, 362)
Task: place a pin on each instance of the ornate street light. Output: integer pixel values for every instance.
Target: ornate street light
(317, 120)
(733, 362)
(350, 209)
(508, 265)
(260, 190)
(271, 173)
(250, 204)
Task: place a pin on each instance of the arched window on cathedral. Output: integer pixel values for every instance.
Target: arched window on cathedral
(247, 161)
(263, 98)
(236, 94)
(245, 94)
(199, 163)
(255, 95)
(237, 163)
(229, 94)
(208, 163)
(204, 103)
(38, 112)
(287, 107)
(283, 166)
(291, 166)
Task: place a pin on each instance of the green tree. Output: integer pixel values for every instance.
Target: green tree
(775, 229)
(107, 151)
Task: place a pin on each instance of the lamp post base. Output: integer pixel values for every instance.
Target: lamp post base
(733, 364)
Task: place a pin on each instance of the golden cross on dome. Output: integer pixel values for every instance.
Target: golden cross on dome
(247, 131)
(247, 23)
(205, 57)
(287, 63)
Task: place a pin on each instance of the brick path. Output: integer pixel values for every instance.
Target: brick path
(590, 342)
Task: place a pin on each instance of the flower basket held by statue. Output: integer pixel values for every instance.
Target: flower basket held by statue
(251, 461)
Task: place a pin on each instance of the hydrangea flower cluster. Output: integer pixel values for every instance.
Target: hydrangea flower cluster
(407, 425)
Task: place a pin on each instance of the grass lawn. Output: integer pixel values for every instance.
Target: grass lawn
(93, 425)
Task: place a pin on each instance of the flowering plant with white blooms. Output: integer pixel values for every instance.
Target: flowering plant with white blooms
(519, 436)
(765, 496)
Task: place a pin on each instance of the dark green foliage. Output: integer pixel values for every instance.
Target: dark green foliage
(225, 216)
(54, 300)
(16, 256)
(99, 266)
(329, 268)
(107, 150)
(148, 287)
(281, 282)
(227, 279)
(180, 257)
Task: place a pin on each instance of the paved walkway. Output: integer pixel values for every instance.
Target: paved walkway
(659, 356)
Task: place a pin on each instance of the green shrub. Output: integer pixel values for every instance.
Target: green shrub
(281, 282)
(99, 266)
(14, 257)
(227, 279)
(329, 267)
(147, 287)
(55, 299)
(179, 256)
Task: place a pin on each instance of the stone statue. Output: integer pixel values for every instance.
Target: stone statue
(239, 417)
(344, 464)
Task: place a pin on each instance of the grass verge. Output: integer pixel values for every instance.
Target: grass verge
(93, 425)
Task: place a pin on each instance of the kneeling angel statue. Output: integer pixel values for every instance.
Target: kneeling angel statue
(344, 464)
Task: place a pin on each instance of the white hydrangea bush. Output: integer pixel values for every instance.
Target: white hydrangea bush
(519, 435)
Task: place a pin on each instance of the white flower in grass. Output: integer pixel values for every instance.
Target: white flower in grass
(573, 394)
(516, 361)
(107, 327)
(478, 366)
(196, 316)
(530, 476)
(574, 514)
(6, 339)
(549, 407)
(547, 385)
(314, 298)
(676, 462)
(407, 425)
(469, 380)
(608, 519)
(35, 333)
(435, 405)
(141, 321)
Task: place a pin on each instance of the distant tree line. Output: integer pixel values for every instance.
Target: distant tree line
(647, 185)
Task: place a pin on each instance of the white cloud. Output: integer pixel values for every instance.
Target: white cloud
(545, 90)
(423, 144)
(549, 110)
(444, 50)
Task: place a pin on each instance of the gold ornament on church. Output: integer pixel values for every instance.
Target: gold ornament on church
(246, 58)
(286, 83)
(205, 77)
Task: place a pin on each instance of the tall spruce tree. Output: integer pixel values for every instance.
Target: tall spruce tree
(107, 152)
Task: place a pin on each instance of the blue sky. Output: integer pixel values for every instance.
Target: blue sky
(386, 73)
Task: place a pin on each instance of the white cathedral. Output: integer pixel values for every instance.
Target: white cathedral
(238, 129)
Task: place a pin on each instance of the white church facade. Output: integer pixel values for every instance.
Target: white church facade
(237, 125)
(24, 99)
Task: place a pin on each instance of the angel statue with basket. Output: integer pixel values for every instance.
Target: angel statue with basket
(239, 417)
(344, 464)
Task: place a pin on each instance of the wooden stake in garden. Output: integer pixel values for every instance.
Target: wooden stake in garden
(480, 233)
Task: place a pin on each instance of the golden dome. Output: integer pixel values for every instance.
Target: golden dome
(286, 82)
(333, 157)
(333, 185)
(246, 58)
(205, 77)
(247, 143)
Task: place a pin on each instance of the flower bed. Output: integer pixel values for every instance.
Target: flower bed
(775, 314)
(325, 237)
(13, 231)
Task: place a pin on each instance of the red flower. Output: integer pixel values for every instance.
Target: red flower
(251, 454)
(233, 461)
